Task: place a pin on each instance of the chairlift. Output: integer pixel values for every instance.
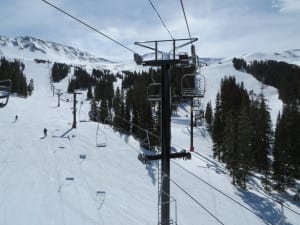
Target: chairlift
(64, 97)
(83, 116)
(185, 60)
(82, 156)
(65, 183)
(193, 85)
(101, 139)
(143, 158)
(5, 89)
(196, 103)
(199, 114)
(100, 198)
(153, 92)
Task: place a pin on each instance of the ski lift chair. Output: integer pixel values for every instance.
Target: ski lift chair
(101, 139)
(5, 89)
(83, 116)
(153, 92)
(193, 85)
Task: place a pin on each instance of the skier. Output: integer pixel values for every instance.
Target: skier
(45, 132)
(16, 118)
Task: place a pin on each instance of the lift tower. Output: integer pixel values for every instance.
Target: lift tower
(74, 108)
(166, 61)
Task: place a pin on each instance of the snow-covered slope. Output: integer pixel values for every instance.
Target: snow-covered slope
(291, 56)
(215, 72)
(47, 181)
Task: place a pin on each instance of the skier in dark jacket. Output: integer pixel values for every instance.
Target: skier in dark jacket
(45, 132)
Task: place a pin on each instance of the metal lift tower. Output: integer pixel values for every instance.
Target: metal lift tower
(165, 61)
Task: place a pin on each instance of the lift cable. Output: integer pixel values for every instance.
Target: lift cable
(133, 124)
(181, 188)
(186, 22)
(58, 177)
(277, 201)
(218, 190)
(85, 24)
(164, 24)
(197, 155)
(175, 145)
(86, 182)
(196, 201)
(213, 187)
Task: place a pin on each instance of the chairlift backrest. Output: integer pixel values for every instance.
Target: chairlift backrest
(101, 139)
(153, 92)
(193, 85)
(185, 60)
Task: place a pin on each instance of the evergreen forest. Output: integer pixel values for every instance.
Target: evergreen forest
(13, 70)
(243, 139)
(240, 124)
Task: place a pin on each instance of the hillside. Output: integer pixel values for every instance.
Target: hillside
(48, 181)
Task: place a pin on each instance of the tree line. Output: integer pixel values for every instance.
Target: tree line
(243, 139)
(287, 148)
(240, 123)
(281, 75)
(126, 107)
(59, 71)
(14, 70)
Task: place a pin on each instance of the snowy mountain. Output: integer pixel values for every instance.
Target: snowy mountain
(290, 56)
(30, 48)
(65, 179)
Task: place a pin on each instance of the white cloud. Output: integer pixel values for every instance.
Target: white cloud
(224, 27)
(287, 6)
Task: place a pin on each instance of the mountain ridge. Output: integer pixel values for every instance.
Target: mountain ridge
(46, 50)
(28, 47)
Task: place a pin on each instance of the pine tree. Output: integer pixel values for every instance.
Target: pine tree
(209, 116)
(244, 140)
(123, 123)
(286, 148)
(127, 116)
(135, 119)
(279, 153)
(117, 109)
(30, 87)
(89, 93)
(265, 140)
(93, 114)
(217, 128)
(103, 111)
(230, 154)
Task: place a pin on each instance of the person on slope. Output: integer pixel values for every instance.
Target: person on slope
(45, 132)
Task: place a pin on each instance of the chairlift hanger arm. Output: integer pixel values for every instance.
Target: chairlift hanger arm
(145, 46)
(159, 62)
(167, 40)
(143, 43)
(185, 44)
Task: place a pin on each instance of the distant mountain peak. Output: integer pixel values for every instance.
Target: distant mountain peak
(31, 47)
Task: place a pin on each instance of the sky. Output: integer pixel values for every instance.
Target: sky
(224, 28)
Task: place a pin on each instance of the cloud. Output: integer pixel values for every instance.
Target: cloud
(287, 6)
(224, 27)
